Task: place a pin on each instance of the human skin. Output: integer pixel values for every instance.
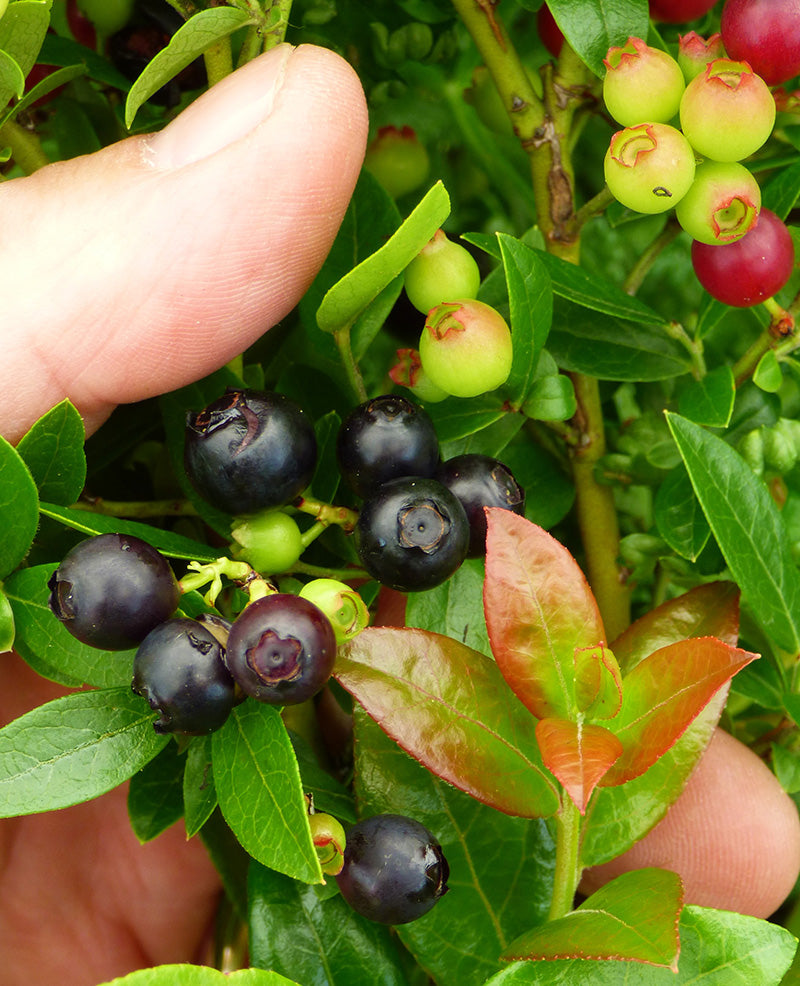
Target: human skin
(165, 258)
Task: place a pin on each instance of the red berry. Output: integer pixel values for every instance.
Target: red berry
(679, 11)
(549, 31)
(765, 33)
(750, 270)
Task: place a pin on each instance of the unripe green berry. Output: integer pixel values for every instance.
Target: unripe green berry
(722, 204)
(343, 606)
(466, 348)
(107, 17)
(484, 98)
(270, 541)
(441, 271)
(751, 449)
(727, 112)
(642, 84)
(695, 52)
(408, 372)
(780, 451)
(649, 167)
(328, 837)
(398, 160)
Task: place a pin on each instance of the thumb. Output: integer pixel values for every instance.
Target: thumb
(146, 265)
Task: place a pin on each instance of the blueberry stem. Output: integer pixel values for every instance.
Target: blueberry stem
(327, 513)
(26, 151)
(781, 335)
(567, 869)
(341, 337)
(136, 508)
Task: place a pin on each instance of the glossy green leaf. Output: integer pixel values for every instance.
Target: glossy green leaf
(711, 313)
(549, 493)
(51, 82)
(768, 375)
(169, 544)
(592, 26)
(53, 451)
(578, 755)
(351, 295)
(612, 349)
(718, 948)
(748, 527)
(73, 749)
(155, 795)
(18, 501)
(710, 401)
(195, 975)
(501, 867)
(260, 793)
(551, 398)
(7, 628)
(199, 792)
(539, 609)
(456, 418)
(454, 608)
(48, 647)
(530, 299)
(663, 694)
(22, 30)
(448, 706)
(678, 515)
(12, 81)
(189, 42)
(633, 918)
(296, 932)
(780, 193)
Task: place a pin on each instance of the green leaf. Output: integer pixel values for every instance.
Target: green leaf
(447, 706)
(191, 39)
(12, 79)
(592, 26)
(195, 975)
(455, 418)
(329, 795)
(23, 28)
(501, 867)
(780, 193)
(633, 918)
(199, 792)
(19, 504)
(260, 793)
(551, 398)
(539, 609)
(59, 50)
(155, 796)
(294, 931)
(531, 302)
(549, 493)
(53, 451)
(7, 628)
(748, 527)
(768, 374)
(73, 749)
(454, 608)
(718, 948)
(351, 295)
(48, 647)
(710, 401)
(172, 545)
(49, 83)
(786, 764)
(678, 515)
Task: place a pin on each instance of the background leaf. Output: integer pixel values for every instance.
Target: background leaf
(73, 749)
(18, 500)
(678, 515)
(592, 26)
(710, 401)
(22, 30)
(53, 451)
(199, 791)
(155, 794)
(454, 608)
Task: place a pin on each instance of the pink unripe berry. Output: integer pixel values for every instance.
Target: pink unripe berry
(727, 112)
(765, 33)
(722, 205)
(466, 348)
(642, 84)
(695, 52)
(650, 167)
(398, 160)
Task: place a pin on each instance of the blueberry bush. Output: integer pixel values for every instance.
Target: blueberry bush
(611, 572)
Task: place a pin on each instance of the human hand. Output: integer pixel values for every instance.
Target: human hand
(167, 256)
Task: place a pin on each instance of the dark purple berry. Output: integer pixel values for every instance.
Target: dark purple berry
(394, 869)
(480, 481)
(111, 590)
(179, 669)
(385, 438)
(249, 451)
(412, 534)
(281, 649)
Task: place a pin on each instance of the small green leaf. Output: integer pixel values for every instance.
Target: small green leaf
(748, 527)
(679, 516)
(191, 39)
(7, 629)
(454, 608)
(199, 792)
(455, 418)
(53, 451)
(767, 374)
(23, 28)
(633, 918)
(73, 749)
(195, 975)
(49, 83)
(710, 401)
(260, 792)
(787, 768)
(351, 295)
(12, 80)
(551, 398)
(155, 798)
(18, 500)
(593, 26)
(780, 193)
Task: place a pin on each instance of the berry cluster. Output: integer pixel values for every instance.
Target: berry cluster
(742, 254)
(420, 518)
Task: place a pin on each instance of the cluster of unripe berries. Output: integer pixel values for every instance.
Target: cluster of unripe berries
(742, 253)
(465, 347)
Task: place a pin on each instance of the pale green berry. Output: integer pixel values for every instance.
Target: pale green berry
(270, 541)
(441, 271)
(722, 204)
(641, 84)
(649, 167)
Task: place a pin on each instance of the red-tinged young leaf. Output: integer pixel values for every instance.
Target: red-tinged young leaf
(598, 682)
(664, 694)
(632, 919)
(539, 610)
(710, 610)
(578, 754)
(448, 706)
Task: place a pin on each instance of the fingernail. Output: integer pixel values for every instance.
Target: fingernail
(230, 110)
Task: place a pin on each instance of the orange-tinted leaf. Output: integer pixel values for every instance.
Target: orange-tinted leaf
(598, 682)
(633, 918)
(577, 754)
(448, 706)
(663, 695)
(710, 610)
(539, 610)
